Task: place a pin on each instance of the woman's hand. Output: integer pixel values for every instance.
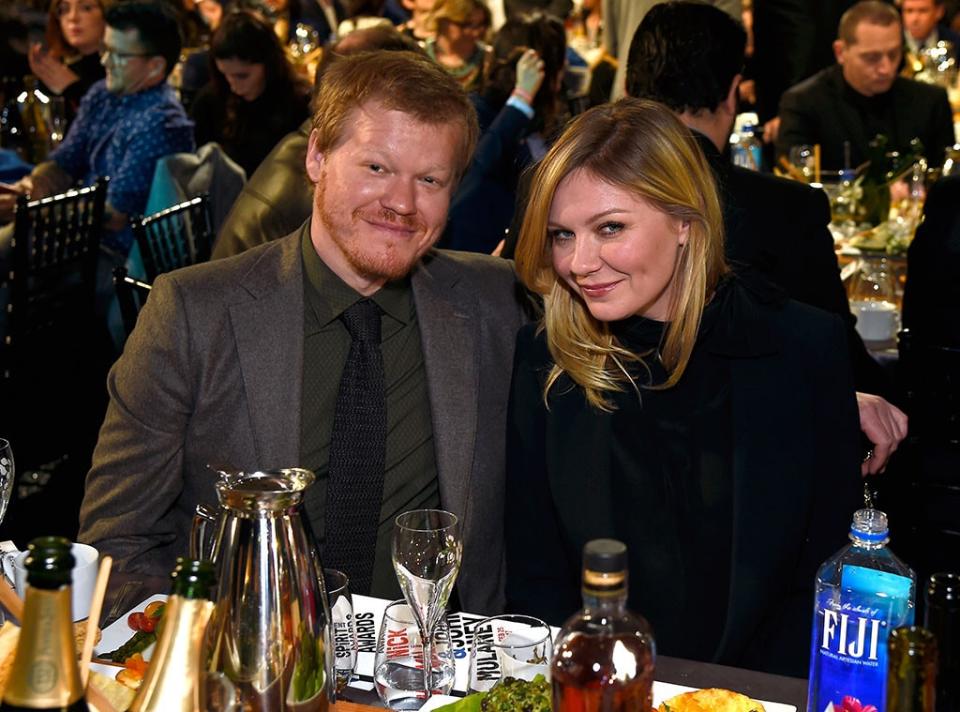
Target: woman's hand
(49, 70)
(530, 75)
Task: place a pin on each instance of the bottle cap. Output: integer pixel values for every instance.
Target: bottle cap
(605, 556)
(604, 564)
(49, 563)
(870, 525)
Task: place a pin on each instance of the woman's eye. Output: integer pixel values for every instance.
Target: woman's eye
(557, 235)
(610, 228)
(375, 167)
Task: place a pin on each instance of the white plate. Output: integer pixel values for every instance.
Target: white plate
(118, 633)
(661, 691)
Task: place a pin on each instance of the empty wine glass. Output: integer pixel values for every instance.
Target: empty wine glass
(427, 550)
(6, 476)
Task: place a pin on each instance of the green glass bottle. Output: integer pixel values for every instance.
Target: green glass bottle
(175, 679)
(45, 675)
(911, 670)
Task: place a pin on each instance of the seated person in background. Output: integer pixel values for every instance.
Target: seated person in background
(253, 98)
(689, 56)
(922, 27)
(668, 403)
(518, 125)
(418, 27)
(278, 197)
(71, 62)
(125, 122)
(931, 298)
(241, 360)
(461, 26)
(862, 96)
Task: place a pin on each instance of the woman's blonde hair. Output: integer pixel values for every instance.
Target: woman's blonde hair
(640, 146)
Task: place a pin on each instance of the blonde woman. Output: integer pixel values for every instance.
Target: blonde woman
(699, 417)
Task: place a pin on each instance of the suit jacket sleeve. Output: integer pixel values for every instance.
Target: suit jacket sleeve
(137, 470)
(797, 125)
(541, 580)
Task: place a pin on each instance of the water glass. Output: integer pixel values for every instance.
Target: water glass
(509, 646)
(398, 664)
(337, 585)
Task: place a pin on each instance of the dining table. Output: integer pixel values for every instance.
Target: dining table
(126, 590)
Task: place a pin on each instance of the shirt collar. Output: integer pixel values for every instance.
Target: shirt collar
(329, 296)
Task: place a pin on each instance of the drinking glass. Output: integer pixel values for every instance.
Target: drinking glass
(398, 664)
(426, 556)
(509, 646)
(802, 157)
(337, 585)
(6, 476)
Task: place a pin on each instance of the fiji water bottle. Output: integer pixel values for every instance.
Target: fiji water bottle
(745, 149)
(863, 593)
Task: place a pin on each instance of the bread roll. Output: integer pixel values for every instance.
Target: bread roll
(711, 700)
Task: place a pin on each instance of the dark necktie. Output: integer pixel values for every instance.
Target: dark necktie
(357, 452)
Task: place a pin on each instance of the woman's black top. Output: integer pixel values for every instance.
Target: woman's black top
(246, 130)
(88, 70)
(683, 475)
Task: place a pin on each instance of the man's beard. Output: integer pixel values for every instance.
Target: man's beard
(384, 264)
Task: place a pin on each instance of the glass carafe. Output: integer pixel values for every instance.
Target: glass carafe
(270, 632)
(874, 299)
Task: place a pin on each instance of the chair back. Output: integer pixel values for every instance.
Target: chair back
(175, 237)
(131, 295)
(53, 265)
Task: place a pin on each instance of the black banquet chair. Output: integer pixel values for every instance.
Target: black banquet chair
(131, 295)
(53, 354)
(175, 237)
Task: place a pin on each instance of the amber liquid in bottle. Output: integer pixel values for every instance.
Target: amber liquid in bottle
(605, 655)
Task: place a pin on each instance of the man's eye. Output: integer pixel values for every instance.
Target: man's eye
(375, 167)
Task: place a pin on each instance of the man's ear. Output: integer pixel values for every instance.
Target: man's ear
(315, 158)
(158, 66)
(838, 47)
(730, 103)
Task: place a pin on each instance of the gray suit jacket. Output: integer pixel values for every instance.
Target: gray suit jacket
(212, 375)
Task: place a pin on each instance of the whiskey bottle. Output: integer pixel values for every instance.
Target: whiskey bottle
(604, 657)
(912, 670)
(45, 675)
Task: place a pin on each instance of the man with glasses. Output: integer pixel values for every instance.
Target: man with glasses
(125, 122)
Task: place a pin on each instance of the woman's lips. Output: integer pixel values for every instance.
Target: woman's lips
(598, 289)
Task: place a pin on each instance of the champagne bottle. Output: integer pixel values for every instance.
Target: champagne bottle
(174, 680)
(604, 657)
(912, 670)
(45, 675)
(942, 618)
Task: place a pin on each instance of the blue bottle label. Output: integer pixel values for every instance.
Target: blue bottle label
(850, 630)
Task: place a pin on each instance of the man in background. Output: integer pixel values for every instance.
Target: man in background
(845, 107)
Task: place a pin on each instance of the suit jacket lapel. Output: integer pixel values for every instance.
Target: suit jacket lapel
(269, 339)
(449, 333)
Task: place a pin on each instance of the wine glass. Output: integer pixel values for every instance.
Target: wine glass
(427, 550)
(6, 476)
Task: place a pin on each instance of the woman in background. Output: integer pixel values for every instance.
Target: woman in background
(458, 47)
(71, 61)
(254, 98)
(697, 416)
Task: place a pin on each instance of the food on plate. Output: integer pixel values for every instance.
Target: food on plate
(80, 635)
(145, 624)
(119, 696)
(9, 635)
(711, 700)
(510, 695)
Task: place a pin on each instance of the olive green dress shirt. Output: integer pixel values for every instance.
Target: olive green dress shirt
(410, 479)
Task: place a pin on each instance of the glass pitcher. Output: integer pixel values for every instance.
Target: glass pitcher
(270, 632)
(874, 300)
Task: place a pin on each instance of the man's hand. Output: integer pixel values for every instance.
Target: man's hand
(885, 426)
(9, 192)
(771, 129)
